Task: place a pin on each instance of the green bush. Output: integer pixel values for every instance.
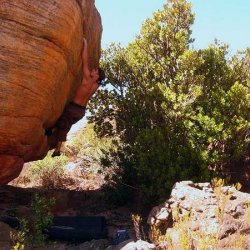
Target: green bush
(86, 143)
(178, 112)
(31, 234)
(49, 172)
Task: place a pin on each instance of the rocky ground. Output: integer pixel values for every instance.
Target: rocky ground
(204, 216)
(81, 195)
(196, 216)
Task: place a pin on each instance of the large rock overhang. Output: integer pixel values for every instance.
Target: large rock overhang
(40, 68)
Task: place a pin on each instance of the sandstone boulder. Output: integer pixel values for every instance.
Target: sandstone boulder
(40, 67)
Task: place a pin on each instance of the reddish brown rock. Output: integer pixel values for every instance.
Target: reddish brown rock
(40, 67)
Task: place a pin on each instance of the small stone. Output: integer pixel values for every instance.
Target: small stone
(163, 214)
(143, 245)
(199, 209)
(233, 197)
(204, 185)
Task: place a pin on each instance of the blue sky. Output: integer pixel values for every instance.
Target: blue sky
(227, 20)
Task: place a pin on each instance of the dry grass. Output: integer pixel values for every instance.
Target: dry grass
(47, 173)
(181, 237)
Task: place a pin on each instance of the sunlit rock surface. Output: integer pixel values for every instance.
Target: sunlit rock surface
(205, 212)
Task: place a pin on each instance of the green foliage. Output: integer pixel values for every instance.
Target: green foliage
(87, 144)
(31, 233)
(49, 172)
(225, 102)
(19, 239)
(43, 217)
(176, 110)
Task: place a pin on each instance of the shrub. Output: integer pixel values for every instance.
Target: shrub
(31, 234)
(49, 172)
(178, 112)
(86, 143)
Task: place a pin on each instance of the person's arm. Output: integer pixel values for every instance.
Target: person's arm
(85, 66)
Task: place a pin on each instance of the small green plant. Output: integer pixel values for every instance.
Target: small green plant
(155, 235)
(206, 241)
(19, 239)
(43, 217)
(185, 236)
(139, 231)
(32, 230)
(222, 196)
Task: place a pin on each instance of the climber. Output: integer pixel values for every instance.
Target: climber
(75, 110)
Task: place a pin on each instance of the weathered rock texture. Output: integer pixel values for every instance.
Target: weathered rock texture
(40, 67)
(205, 215)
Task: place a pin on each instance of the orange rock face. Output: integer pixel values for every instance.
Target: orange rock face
(40, 67)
